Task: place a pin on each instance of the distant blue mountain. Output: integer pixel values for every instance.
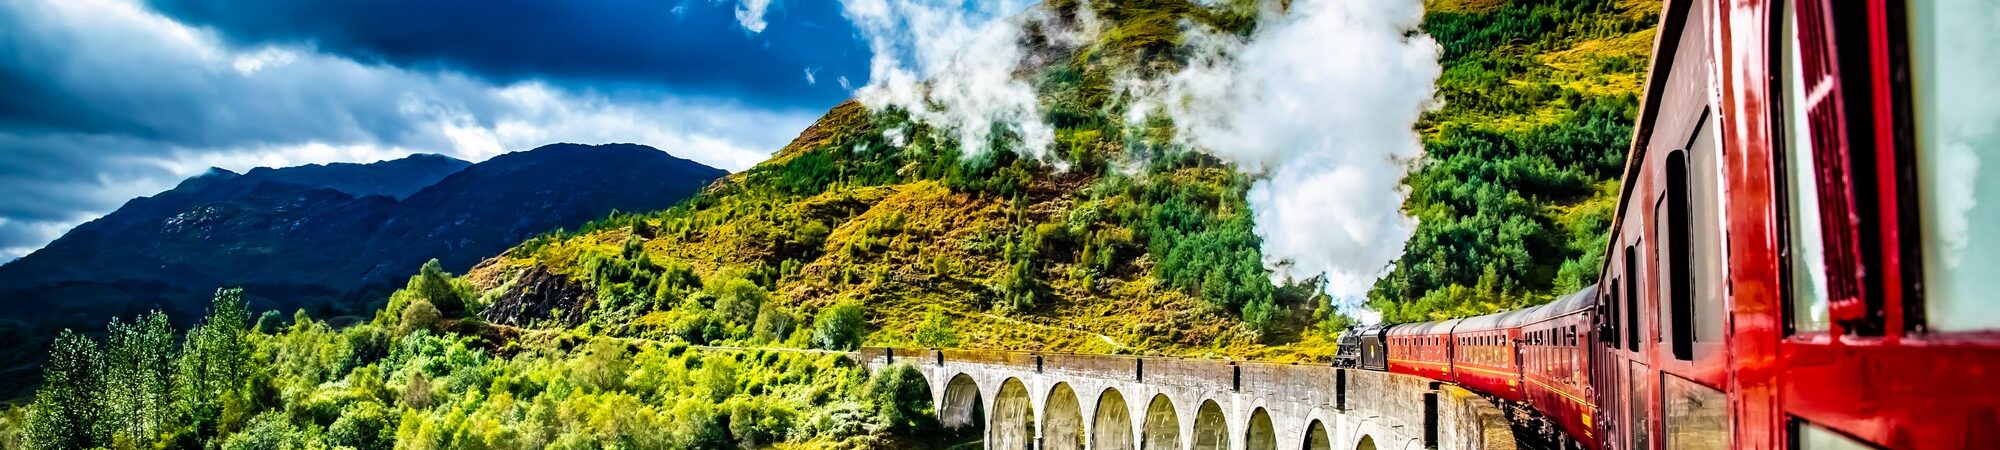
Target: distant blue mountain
(331, 238)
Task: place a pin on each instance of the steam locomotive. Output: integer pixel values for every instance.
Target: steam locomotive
(1801, 253)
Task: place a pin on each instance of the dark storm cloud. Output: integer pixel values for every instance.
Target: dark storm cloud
(108, 100)
(687, 46)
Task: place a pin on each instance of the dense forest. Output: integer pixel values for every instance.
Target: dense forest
(423, 375)
(718, 323)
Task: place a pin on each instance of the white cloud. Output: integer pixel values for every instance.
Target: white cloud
(153, 101)
(750, 13)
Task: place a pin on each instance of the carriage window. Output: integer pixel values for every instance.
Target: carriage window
(1611, 313)
(1954, 46)
(1696, 416)
(1806, 436)
(1680, 255)
(1807, 254)
(1632, 299)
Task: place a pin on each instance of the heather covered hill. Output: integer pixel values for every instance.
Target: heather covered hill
(1123, 231)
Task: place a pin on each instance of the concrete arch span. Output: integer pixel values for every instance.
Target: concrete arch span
(1162, 427)
(1366, 443)
(1013, 423)
(1111, 428)
(1062, 419)
(1211, 428)
(1316, 437)
(961, 410)
(1260, 435)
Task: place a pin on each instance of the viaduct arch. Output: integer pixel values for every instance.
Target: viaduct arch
(1029, 401)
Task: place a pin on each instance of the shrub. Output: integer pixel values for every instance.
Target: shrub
(420, 315)
(937, 330)
(839, 327)
(773, 325)
(366, 426)
(902, 400)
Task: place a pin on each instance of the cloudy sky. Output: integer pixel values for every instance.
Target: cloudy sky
(111, 99)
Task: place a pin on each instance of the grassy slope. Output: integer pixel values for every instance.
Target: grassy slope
(839, 216)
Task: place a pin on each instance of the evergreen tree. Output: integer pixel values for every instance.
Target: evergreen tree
(138, 378)
(66, 409)
(214, 360)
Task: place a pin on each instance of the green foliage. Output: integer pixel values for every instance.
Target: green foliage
(738, 299)
(138, 378)
(937, 330)
(434, 285)
(215, 361)
(270, 431)
(901, 399)
(366, 426)
(419, 316)
(66, 411)
(1509, 196)
(839, 327)
(774, 325)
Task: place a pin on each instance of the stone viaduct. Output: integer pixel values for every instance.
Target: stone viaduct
(1045, 401)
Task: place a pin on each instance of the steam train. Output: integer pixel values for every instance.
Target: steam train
(1802, 251)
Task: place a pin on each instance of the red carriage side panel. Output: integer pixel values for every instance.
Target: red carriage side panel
(1486, 360)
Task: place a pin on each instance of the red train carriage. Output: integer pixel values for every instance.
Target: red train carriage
(1810, 213)
(1485, 359)
(1555, 357)
(1798, 250)
(1422, 349)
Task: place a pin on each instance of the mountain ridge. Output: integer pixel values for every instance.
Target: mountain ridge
(321, 236)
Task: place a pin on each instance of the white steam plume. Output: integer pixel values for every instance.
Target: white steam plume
(1320, 102)
(951, 64)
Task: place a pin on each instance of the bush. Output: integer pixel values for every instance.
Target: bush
(420, 316)
(773, 325)
(366, 426)
(902, 400)
(839, 327)
(268, 431)
(937, 330)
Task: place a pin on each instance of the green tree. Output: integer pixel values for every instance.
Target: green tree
(774, 324)
(1259, 316)
(268, 431)
(839, 327)
(66, 410)
(420, 315)
(937, 330)
(138, 378)
(737, 299)
(434, 284)
(366, 426)
(902, 400)
(717, 378)
(214, 360)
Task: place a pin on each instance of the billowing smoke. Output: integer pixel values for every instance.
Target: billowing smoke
(951, 64)
(1320, 102)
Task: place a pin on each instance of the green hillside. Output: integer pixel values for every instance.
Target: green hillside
(1520, 177)
(1014, 253)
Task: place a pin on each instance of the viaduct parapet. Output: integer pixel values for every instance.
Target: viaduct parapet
(1042, 401)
